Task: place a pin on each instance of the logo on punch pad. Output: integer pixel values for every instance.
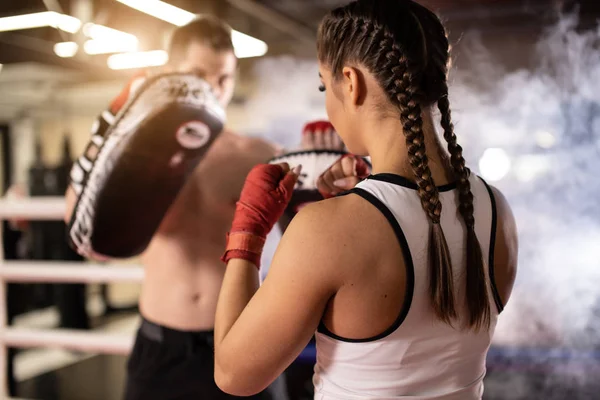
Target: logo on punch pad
(193, 135)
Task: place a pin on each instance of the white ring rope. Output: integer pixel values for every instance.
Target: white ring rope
(68, 272)
(33, 208)
(86, 341)
(53, 208)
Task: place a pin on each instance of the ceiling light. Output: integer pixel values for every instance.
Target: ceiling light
(66, 49)
(93, 47)
(143, 59)
(105, 34)
(245, 45)
(40, 20)
(161, 10)
(67, 23)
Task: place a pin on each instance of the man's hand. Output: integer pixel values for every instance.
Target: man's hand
(343, 175)
(321, 135)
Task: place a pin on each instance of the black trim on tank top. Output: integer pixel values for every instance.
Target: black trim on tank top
(402, 181)
(410, 273)
(495, 292)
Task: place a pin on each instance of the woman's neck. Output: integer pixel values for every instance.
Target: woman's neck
(389, 152)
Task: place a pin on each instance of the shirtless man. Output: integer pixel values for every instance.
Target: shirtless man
(173, 353)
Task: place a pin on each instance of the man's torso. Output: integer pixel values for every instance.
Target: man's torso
(182, 263)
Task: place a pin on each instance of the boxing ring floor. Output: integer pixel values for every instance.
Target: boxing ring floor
(96, 359)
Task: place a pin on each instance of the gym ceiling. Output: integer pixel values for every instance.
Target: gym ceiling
(287, 26)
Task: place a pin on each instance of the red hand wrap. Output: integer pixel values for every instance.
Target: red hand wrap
(266, 194)
(311, 127)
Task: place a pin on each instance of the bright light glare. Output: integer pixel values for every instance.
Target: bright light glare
(494, 164)
(161, 10)
(105, 34)
(545, 139)
(138, 60)
(66, 49)
(245, 45)
(67, 23)
(530, 167)
(93, 47)
(38, 20)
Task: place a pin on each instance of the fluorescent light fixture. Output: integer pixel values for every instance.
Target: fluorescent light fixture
(93, 47)
(161, 10)
(67, 23)
(66, 49)
(40, 20)
(142, 59)
(105, 34)
(245, 45)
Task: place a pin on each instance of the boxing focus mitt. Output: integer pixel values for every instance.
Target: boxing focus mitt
(314, 163)
(157, 139)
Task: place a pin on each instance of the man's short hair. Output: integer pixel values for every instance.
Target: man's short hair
(205, 29)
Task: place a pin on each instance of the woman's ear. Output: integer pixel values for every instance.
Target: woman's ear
(353, 85)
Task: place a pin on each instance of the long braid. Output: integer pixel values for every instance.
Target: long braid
(476, 286)
(461, 171)
(406, 93)
(478, 300)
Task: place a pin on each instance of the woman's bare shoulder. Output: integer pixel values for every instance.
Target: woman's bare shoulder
(337, 215)
(342, 229)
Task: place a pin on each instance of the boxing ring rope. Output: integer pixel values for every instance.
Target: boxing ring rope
(49, 209)
(68, 272)
(38, 209)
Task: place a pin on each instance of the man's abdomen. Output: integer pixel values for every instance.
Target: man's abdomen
(184, 272)
(182, 282)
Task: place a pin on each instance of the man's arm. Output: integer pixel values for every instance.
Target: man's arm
(70, 200)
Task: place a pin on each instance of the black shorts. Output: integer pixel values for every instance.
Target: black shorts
(168, 364)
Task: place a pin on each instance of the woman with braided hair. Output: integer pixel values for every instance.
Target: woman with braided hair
(404, 276)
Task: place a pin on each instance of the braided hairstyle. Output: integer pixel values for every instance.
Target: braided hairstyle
(405, 47)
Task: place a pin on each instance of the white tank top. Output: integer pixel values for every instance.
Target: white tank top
(419, 357)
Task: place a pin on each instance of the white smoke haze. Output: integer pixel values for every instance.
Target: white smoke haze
(553, 192)
(547, 120)
(286, 97)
